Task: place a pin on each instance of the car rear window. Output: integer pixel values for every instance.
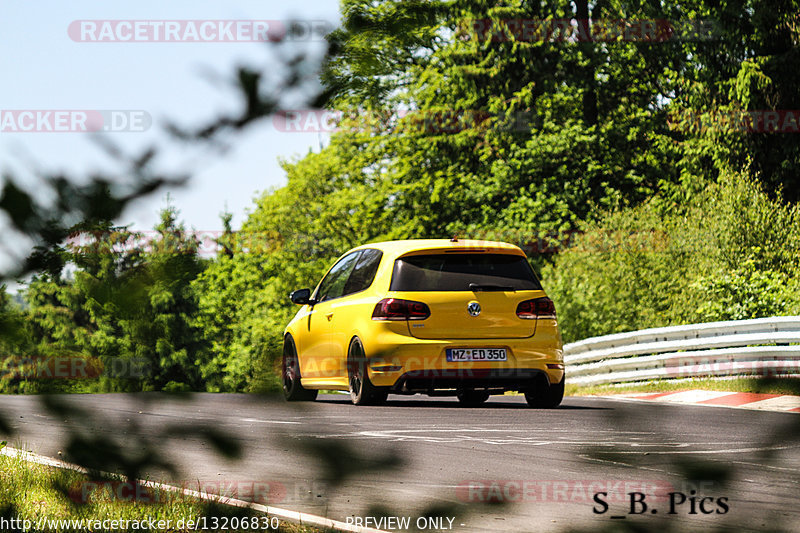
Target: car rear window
(456, 272)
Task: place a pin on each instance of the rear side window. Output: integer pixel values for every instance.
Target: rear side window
(364, 272)
(456, 272)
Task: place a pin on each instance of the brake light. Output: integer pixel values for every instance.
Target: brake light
(395, 309)
(536, 308)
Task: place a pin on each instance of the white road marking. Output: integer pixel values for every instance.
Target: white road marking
(698, 452)
(492, 437)
(268, 421)
(769, 467)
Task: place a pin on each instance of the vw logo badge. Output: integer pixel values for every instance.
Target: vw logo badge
(474, 308)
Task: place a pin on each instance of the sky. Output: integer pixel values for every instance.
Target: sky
(47, 67)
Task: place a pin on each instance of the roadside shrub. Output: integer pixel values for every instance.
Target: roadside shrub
(731, 253)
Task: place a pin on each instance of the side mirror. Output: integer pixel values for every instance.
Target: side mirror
(301, 297)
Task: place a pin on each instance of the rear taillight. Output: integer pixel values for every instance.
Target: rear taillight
(395, 309)
(536, 308)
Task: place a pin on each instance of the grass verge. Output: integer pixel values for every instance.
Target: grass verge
(739, 384)
(32, 492)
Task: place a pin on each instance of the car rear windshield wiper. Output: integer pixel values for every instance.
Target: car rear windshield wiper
(475, 287)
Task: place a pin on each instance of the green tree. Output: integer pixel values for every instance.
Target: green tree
(126, 301)
(747, 64)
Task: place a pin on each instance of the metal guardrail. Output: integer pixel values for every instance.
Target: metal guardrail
(762, 346)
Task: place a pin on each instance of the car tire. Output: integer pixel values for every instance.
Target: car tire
(544, 396)
(362, 391)
(471, 397)
(293, 391)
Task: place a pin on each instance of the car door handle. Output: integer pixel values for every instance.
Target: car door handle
(329, 316)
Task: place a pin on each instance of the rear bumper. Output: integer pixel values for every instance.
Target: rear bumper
(407, 364)
(448, 381)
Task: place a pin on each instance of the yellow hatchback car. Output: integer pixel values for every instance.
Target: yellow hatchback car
(442, 317)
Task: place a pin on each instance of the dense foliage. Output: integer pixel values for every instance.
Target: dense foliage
(123, 317)
(732, 253)
(447, 130)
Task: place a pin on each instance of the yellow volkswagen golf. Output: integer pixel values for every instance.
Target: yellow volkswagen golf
(441, 317)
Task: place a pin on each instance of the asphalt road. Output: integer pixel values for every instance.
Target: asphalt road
(544, 466)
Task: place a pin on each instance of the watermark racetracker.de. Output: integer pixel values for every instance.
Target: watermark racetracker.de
(74, 120)
(570, 30)
(71, 367)
(736, 121)
(197, 31)
(534, 490)
(430, 122)
(264, 492)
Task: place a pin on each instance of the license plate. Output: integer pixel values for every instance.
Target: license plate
(476, 354)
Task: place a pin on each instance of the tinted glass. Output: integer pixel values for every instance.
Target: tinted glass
(332, 285)
(455, 272)
(364, 272)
